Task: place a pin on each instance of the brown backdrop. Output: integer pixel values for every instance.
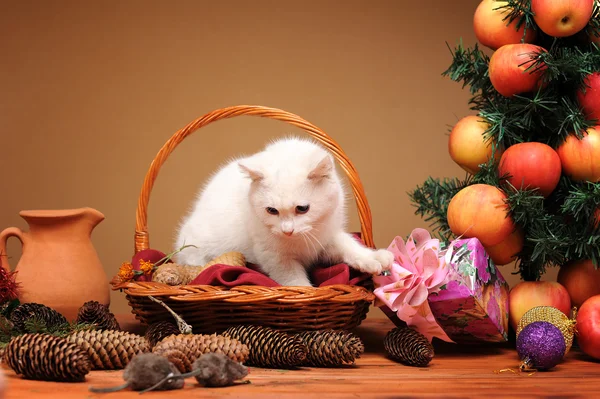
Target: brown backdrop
(89, 91)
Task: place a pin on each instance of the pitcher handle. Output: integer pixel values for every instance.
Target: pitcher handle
(4, 235)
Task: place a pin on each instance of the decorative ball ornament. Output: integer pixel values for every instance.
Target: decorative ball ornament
(540, 346)
(553, 316)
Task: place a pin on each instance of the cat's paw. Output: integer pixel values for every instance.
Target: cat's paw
(374, 262)
(385, 257)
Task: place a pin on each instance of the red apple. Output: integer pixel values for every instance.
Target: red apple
(479, 210)
(504, 252)
(579, 157)
(531, 165)
(589, 96)
(467, 146)
(493, 31)
(581, 279)
(588, 327)
(513, 69)
(561, 18)
(597, 217)
(529, 294)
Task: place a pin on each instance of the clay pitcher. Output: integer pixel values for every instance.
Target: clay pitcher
(59, 266)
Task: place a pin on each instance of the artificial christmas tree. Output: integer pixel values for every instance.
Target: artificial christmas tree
(540, 90)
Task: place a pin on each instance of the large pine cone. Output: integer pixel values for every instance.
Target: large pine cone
(46, 357)
(408, 346)
(269, 347)
(93, 312)
(109, 349)
(156, 332)
(183, 349)
(330, 348)
(30, 312)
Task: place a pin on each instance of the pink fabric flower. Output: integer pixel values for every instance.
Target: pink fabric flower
(419, 269)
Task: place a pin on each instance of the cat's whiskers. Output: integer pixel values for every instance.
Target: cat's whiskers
(315, 238)
(308, 239)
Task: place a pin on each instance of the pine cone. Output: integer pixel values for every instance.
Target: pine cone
(183, 349)
(156, 332)
(330, 348)
(176, 274)
(30, 312)
(269, 347)
(408, 346)
(46, 357)
(109, 349)
(93, 312)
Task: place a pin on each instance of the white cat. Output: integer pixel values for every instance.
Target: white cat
(283, 208)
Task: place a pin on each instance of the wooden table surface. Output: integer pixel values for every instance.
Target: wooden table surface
(455, 372)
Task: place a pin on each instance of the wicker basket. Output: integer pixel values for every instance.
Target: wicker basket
(212, 309)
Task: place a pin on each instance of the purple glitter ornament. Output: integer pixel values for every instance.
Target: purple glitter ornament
(540, 346)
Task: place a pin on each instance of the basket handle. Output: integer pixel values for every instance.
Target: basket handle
(141, 237)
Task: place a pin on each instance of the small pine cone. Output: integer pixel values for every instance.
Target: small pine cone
(28, 312)
(156, 332)
(109, 349)
(48, 358)
(175, 274)
(183, 349)
(93, 312)
(408, 346)
(330, 348)
(269, 347)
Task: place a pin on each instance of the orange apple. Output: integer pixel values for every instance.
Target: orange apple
(505, 252)
(529, 294)
(493, 31)
(513, 69)
(467, 146)
(589, 96)
(588, 327)
(579, 157)
(531, 165)
(581, 279)
(480, 211)
(562, 18)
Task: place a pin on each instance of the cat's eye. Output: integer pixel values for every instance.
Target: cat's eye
(302, 208)
(272, 211)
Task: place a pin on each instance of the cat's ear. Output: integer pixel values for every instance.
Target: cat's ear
(247, 167)
(322, 170)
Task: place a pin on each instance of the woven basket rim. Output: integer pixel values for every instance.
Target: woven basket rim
(246, 293)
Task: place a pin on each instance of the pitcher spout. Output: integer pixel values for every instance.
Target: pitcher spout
(94, 215)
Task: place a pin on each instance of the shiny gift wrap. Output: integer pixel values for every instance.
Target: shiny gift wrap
(473, 305)
(453, 292)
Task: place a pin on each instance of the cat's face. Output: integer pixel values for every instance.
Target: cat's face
(294, 200)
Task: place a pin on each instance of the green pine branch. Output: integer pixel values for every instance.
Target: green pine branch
(593, 27)
(518, 11)
(469, 66)
(431, 201)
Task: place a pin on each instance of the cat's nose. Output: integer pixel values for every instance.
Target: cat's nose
(289, 233)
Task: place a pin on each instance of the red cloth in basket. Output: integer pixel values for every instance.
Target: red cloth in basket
(232, 276)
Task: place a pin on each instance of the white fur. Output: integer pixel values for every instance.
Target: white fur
(230, 214)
